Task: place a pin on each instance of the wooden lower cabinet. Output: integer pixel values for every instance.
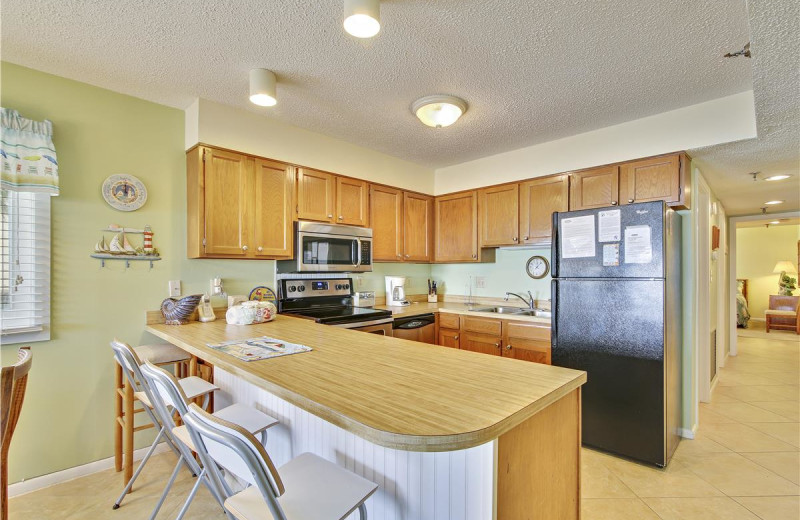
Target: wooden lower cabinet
(449, 338)
(526, 341)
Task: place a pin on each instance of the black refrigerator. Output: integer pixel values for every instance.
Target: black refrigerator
(616, 295)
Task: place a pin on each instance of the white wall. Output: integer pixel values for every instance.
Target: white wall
(227, 127)
(722, 120)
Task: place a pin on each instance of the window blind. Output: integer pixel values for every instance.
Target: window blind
(24, 267)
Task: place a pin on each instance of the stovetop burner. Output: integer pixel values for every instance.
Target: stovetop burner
(326, 301)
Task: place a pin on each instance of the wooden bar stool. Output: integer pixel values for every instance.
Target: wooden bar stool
(13, 381)
(124, 425)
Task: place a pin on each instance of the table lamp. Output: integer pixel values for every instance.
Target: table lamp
(783, 267)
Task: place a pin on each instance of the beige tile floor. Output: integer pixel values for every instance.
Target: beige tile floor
(743, 464)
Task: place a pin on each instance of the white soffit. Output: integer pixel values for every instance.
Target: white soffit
(531, 71)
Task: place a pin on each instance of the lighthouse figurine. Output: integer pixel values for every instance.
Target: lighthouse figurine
(147, 244)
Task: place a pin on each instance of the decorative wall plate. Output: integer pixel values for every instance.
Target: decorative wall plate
(537, 267)
(263, 293)
(124, 192)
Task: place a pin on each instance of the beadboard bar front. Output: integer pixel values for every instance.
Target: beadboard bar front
(446, 434)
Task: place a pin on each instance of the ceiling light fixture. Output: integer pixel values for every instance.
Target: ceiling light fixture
(773, 202)
(262, 87)
(777, 177)
(362, 18)
(439, 111)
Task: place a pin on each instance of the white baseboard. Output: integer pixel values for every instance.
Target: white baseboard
(51, 479)
(688, 433)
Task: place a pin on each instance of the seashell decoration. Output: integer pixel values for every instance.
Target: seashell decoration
(178, 312)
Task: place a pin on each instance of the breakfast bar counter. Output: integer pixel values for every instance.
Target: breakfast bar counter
(490, 435)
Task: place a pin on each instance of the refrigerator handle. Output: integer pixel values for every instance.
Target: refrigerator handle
(554, 247)
(554, 315)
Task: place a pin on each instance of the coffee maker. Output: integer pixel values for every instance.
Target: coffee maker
(396, 291)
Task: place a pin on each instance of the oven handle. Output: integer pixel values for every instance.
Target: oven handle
(357, 324)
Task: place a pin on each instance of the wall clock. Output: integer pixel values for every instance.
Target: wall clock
(537, 267)
(124, 192)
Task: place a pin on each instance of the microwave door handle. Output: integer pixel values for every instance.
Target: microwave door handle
(357, 244)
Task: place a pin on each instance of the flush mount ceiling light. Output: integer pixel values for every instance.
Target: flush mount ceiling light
(773, 202)
(262, 87)
(777, 177)
(439, 111)
(362, 18)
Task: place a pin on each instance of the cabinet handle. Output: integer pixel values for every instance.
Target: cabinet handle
(330, 216)
(408, 256)
(514, 239)
(341, 217)
(524, 238)
(497, 345)
(399, 256)
(244, 248)
(455, 337)
(474, 256)
(259, 249)
(613, 202)
(630, 201)
(508, 347)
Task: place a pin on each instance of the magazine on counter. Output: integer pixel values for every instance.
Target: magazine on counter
(256, 349)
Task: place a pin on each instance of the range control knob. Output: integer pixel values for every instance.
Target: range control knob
(301, 288)
(291, 288)
(339, 287)
(347, 286)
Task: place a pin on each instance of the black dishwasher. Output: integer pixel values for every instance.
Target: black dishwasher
(416, 328)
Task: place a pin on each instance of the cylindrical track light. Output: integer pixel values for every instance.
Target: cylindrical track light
(362, 18)
(262, 87)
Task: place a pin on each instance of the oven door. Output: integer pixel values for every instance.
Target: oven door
(382, 327)
(317, 252)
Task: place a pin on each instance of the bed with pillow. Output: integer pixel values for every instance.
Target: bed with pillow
(742, 313)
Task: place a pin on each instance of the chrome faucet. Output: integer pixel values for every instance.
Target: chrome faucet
(529, 302)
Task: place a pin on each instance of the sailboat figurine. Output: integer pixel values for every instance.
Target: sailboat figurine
(101, 246)
(126, 246)
(115, 247)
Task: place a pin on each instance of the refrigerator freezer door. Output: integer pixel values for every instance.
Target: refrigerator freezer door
(614, 330)
(632, 233)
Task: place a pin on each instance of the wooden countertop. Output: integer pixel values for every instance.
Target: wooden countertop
(393, 392)
(417, 308)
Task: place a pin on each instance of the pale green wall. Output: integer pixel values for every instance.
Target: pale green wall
(67, 418)
(507, 273)
(758, 249)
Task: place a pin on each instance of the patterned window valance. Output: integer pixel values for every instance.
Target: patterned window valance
(28, 156)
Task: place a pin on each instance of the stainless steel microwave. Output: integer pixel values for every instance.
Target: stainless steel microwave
(324, 248)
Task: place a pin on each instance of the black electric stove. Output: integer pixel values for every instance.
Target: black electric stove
(328, 301)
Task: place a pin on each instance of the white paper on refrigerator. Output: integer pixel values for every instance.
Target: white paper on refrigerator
(608, 226)
(638, 249)
(577, 237)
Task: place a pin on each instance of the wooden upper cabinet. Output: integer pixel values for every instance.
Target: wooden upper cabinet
(315, 195)
(538, 200)
(351, 201)
(273, 187)
(226, 177)
(386, 219)
(594, 188)
(417, 227)
(498, 213)
(456, 227)
(657, 178)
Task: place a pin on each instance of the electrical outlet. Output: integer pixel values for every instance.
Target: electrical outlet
(174, 288)
(480, 282)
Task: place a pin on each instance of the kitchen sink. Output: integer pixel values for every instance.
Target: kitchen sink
(519, 311)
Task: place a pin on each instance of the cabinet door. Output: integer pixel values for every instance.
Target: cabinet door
(448, 338)
(526, 341)
(595, 188)
(456, 227)
(273, 186)
(386, 219)
(498, 212)
(351, 201)
(417, 227)
(538, 199)
(315, 191)
(651, 179)
(483, 343)
(226, 204)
